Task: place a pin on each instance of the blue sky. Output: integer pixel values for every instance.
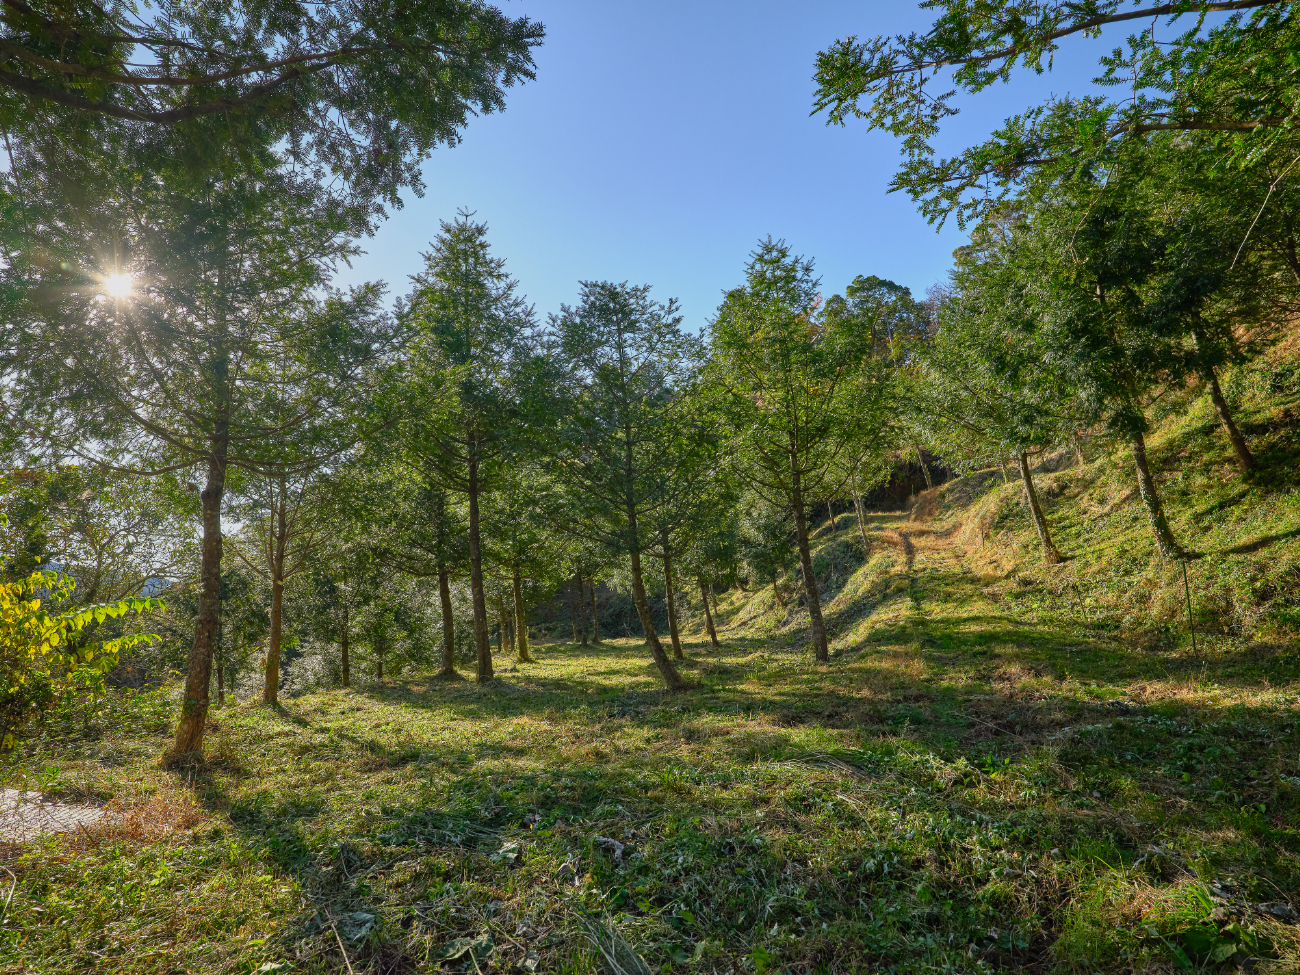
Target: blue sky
(661, 140)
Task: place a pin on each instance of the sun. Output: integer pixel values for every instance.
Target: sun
(119, 286)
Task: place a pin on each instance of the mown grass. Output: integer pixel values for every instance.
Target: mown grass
(965, 792)
(1006, 767)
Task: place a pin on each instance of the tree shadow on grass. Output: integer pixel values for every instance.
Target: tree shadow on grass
(1254, 545)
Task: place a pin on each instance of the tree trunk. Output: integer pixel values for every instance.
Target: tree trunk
(717, 614)
(920, 459)
(1245, 459)
(672, 607)
(595, 613)
(521, 622)
(344, 650)
(576, 611)
(448, 628)
(862, 525)
(483, 648)
(810, 584)
(805, 557)
(776, 594)
(1078, 450)
(1050, 554)
(271, 683)
(501, 624)
(708, 615)
(666, 669)
(1165, 540)
(194, 702)
(216, 661)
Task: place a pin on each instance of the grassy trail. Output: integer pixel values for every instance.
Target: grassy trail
(980, 781)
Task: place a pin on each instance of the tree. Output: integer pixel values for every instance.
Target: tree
(794, 389)
(1090, 311)
(146, 322)
(984, 386)
(520, 544)
(765, 543)
(625, 360)
(359, 91)
(40, 648)
(470, 370)
(119, 536)
(279, 543)
(1233, 79)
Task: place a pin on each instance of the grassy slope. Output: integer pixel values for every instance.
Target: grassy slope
(1005, 767)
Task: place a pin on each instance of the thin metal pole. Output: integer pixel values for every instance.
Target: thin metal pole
(1191, 627)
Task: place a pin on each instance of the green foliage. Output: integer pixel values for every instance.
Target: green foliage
(1230, 79)
(45, 650)
(355, 94)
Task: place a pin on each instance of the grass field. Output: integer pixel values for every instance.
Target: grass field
(961, 791)
(1005, 767)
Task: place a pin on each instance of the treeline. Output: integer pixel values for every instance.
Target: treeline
(415, 478)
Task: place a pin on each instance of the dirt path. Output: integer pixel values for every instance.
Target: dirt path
(25, 816)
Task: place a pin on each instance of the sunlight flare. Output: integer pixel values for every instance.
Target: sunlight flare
(119, 286)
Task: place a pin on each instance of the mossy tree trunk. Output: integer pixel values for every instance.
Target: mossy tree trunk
(1165, 540)
(448, 627)
(673, 632)
(1245, 459)
(1050, 553)
(820, 646)
(198, 677)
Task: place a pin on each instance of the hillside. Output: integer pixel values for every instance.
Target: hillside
(1006, 767)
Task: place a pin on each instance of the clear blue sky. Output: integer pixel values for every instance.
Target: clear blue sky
(662, 139)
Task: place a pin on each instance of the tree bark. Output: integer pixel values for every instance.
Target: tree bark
(501, 624)
(521, 621)
(673, 633)
(194, 701)
(271, 683)
(216, 658)
(862, 526)
(810, 586)
(776, 594)
(595, 613)
(805, 557)
(666, 669)
(708, 614)
(920, 459)
(481, 644)
(1245, 459)
(1050, 554)
(1165, 540)
(344, 650)
(448, 627)
(576, 611)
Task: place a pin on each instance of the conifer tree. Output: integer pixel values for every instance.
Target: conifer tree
(795, 387)
(625, 361)
(468, 381)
